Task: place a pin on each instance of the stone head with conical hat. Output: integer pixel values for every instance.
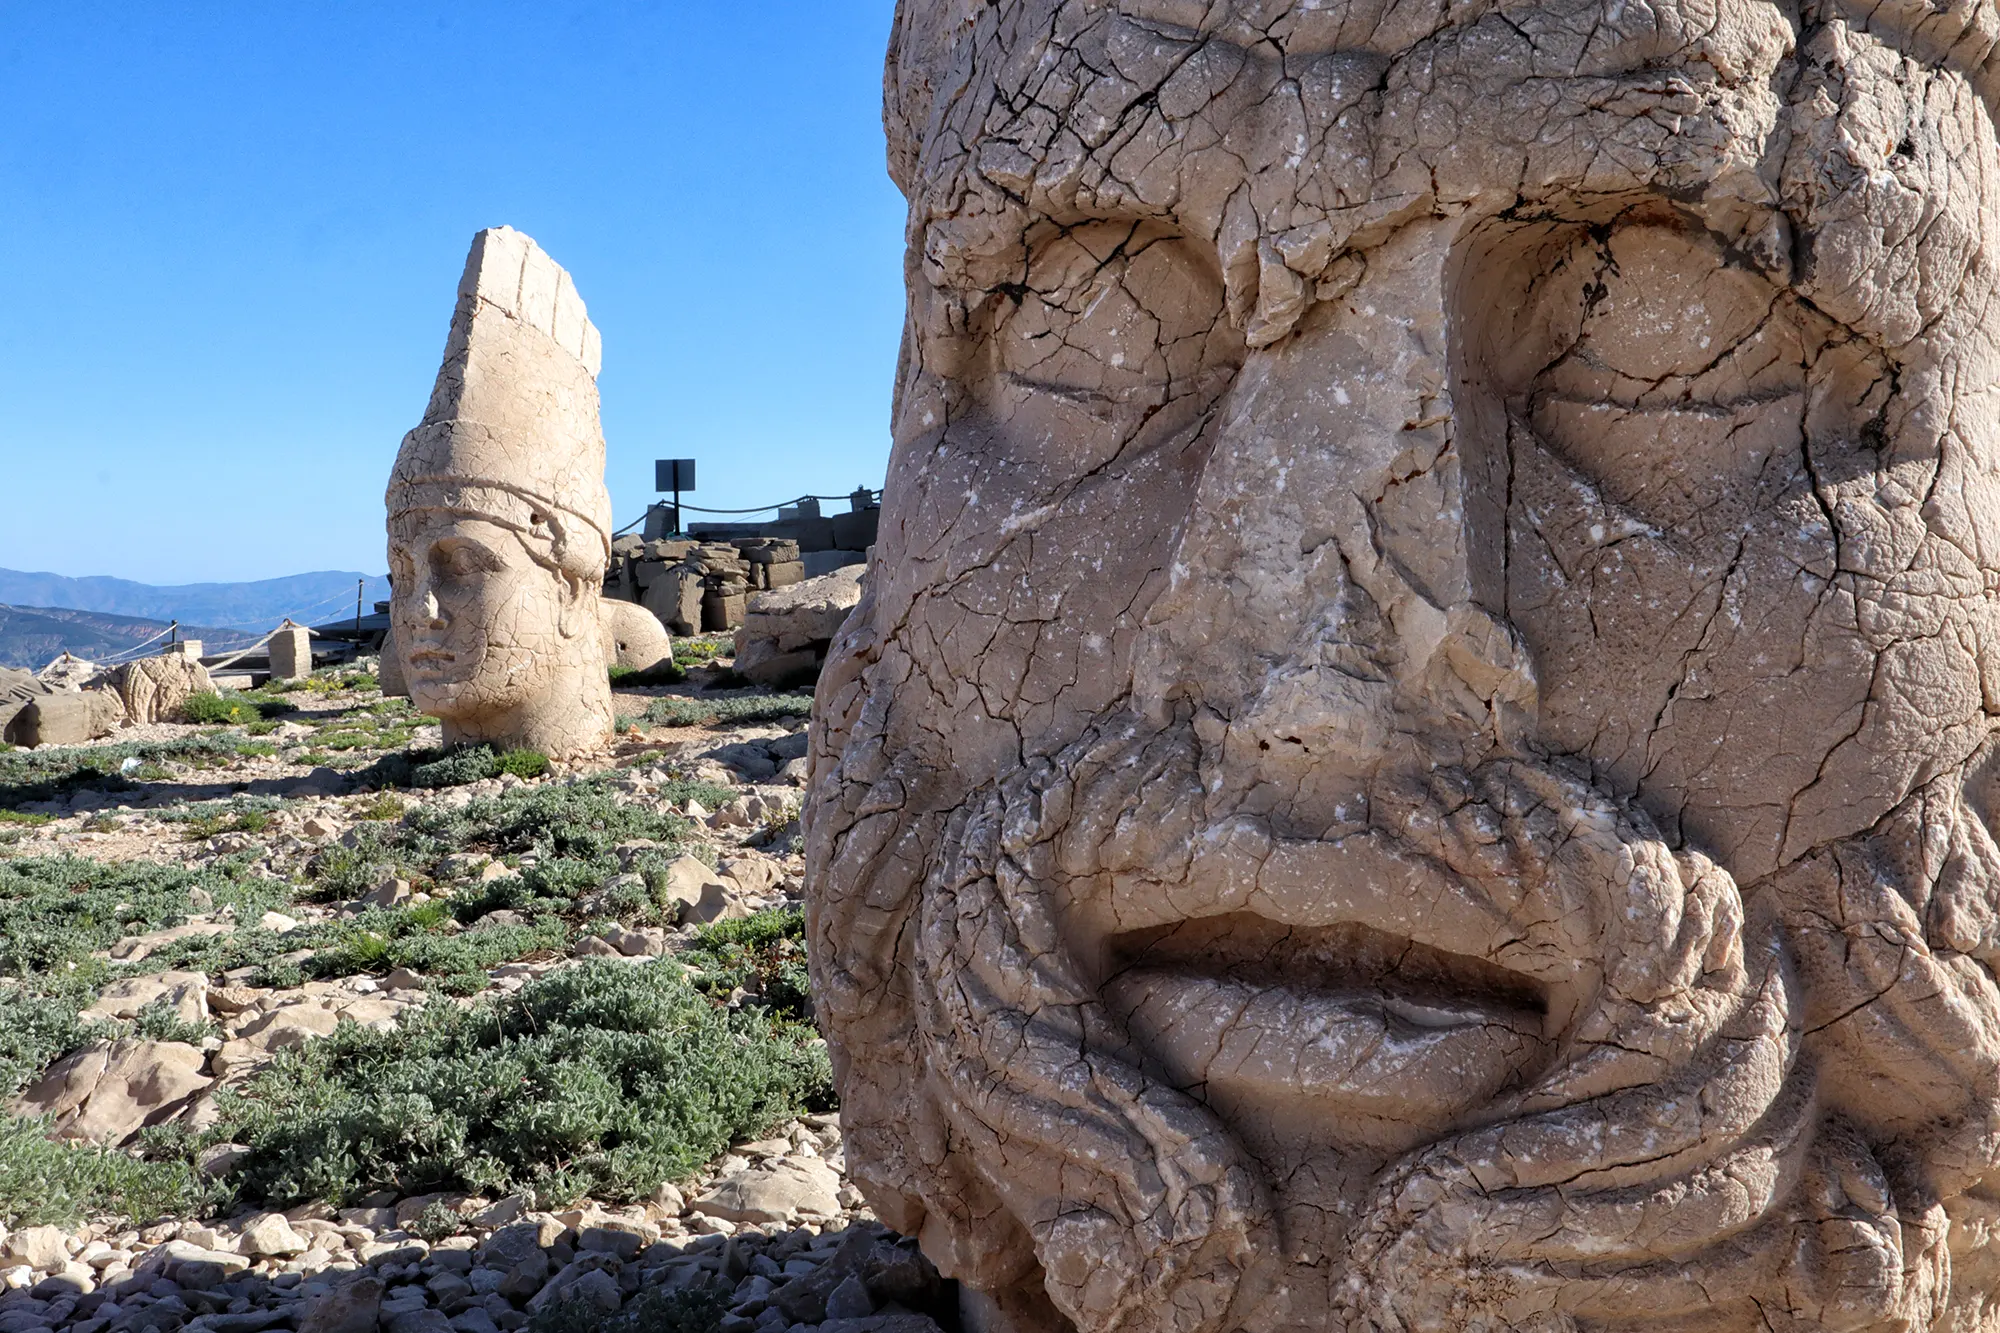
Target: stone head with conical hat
(499, 523)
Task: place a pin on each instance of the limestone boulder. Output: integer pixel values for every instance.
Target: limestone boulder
(65, 718)
(185, 992)
(43, 1249)
(352, 1307)
(784, 1189)
(135, 948)
(699, 895)
(109, 1091)
(786, 631)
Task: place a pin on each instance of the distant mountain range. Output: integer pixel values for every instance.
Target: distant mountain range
(43, 616)
(34, 636)
(307, 598)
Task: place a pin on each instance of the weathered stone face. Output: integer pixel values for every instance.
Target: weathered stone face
(499, 523)
(1416, 755)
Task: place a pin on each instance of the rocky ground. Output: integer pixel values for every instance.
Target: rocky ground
(311, 1026)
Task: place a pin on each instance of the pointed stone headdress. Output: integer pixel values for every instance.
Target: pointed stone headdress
(511, 435)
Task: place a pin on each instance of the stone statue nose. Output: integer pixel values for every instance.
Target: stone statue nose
(431, 608)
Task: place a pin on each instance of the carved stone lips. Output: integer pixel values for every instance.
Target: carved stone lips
(1342, 1031)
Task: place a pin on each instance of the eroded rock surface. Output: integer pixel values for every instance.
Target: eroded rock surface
(1417, 749)
(499, 523)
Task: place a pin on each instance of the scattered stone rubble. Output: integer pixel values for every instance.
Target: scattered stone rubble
(772, 1229)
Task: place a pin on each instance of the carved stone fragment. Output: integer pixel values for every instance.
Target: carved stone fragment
(1419, 747)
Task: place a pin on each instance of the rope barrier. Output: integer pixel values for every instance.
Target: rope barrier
(759, 509)
(134, 650)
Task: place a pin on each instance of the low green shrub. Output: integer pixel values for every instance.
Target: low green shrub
(24, 818)
(54, 911)
(44, 1182)
(216, 710)
(604, 1079)
(379, 942)
(702, 648)
(454, 768)
(438, 1221)
(524, 763)
(197, 825)
(384, 806)
(160, 1021)
(329, 682)
(764, 954)
(39, 1025)
(662, 673)
(45, 774)
(682, 711)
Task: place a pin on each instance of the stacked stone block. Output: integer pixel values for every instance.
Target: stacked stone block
(697, 587)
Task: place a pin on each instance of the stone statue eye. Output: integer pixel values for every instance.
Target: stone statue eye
(459, 560)
(1677, 379)
(1111, 316)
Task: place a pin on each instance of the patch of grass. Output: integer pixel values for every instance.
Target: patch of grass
(22, 817)
(329, 682)
(45, 1182)
(682, 711)
(604, 1079)
(160, 1021)
(564, 835)
(54, 911)
(524, 763)
(242, 814)
(661, 673)
(695, 651)
(384, 806)
(764, 953)
(27, 776)
(218, 710)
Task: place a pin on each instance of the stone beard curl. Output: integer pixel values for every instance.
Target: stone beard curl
(1681, 1149)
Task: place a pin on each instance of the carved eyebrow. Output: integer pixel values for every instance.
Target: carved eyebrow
(452, 543)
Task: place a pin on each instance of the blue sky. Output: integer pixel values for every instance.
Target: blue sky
(233, 232)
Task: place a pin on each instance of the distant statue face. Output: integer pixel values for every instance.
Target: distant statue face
(486, 631)
(1418, 753)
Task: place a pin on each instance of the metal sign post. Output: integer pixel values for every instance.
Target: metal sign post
(676, 475)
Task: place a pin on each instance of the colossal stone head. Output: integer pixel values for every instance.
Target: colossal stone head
(1419, 749)
(499, 522)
